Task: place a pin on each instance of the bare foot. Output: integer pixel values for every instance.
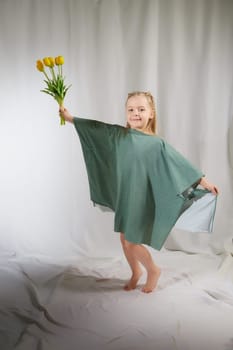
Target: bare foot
(152, 280)
(132, 284)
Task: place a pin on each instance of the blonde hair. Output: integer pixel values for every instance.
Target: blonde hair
(152, 123)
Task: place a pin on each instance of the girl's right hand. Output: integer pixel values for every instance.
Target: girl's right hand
(209, 186)
(63, 112)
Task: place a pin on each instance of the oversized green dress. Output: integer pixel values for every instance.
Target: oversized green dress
(140, 177)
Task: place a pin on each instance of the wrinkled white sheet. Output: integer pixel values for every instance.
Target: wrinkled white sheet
(80, 304)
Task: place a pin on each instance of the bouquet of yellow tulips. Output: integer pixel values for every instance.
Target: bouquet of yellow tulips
(56, 81)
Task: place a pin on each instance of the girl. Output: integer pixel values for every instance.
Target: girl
(139, 176)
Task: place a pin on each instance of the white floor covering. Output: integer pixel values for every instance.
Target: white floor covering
(80, 304)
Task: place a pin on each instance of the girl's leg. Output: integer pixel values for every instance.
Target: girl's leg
(133, 263)
(139, 253)
(153, 272)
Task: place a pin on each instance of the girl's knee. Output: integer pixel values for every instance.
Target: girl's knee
(122, 238)
(126, 244)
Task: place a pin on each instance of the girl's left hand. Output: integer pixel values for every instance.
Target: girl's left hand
(209, 186)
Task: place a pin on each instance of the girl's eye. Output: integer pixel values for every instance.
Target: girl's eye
(142, 109)
(131, 110)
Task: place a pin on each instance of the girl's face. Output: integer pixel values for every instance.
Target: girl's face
(139, 112)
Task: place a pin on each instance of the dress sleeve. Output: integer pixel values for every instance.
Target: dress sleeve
(95, 134)
(98, 140)
(184, 173)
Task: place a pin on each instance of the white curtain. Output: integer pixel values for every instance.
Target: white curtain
(180, 50)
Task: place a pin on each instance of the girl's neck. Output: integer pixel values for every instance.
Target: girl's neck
(147, 132)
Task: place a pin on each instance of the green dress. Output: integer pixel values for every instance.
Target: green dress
(140, 177)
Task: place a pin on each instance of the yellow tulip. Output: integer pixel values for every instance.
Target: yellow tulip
(51, 60)
(59, 60)
(46, 61)
(39, 65)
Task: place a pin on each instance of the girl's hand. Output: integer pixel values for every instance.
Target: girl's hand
(63, 112)
(209, 186)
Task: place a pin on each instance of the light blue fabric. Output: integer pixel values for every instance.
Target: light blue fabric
(199, 216)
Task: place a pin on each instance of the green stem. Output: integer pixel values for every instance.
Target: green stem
(62, 121)
(52, 72)
(46, 75)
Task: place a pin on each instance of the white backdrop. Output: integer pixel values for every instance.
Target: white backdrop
(179, 50)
